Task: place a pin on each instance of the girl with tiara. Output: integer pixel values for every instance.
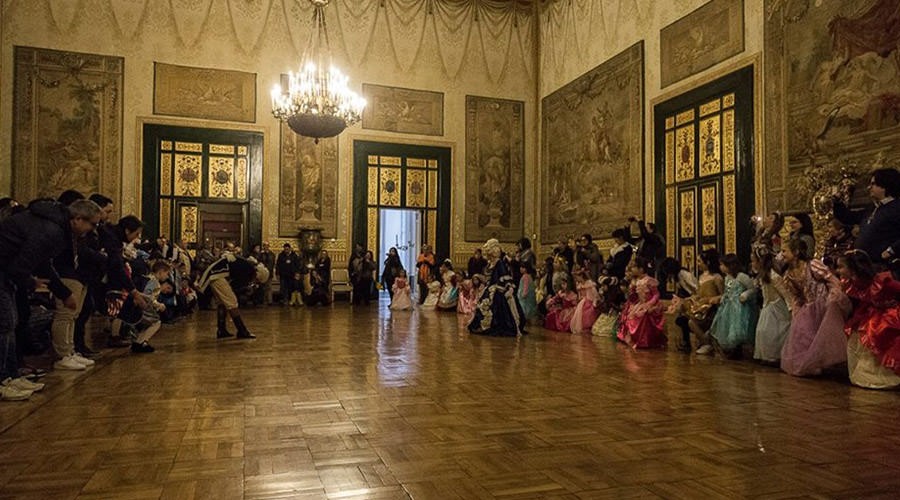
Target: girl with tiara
(734, 322)
(873, 349)
(816, 340)
(774, 318)
(400, 301)
(586, 310)
(641, 324)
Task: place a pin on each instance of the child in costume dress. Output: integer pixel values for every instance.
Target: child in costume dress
(527, 291)
(700, 308)
(449, 291)
(561, 307)
(818, 307)
(401, 300)
(774, 322)
(641, 322)
(465, 306)
(586, 310)
(609, 307)
(873, 349)
(434, 294)
(735, 321)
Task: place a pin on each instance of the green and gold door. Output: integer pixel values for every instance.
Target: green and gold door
(704, 158)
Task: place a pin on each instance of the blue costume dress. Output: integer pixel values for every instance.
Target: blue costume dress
(498, 311)
(735, 320)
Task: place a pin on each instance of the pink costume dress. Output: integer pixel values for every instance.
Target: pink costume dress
(816, 339)
(586, 311)
(560, 309)
(873, 351)
(401, 300)
(467, 299)
(642, 318)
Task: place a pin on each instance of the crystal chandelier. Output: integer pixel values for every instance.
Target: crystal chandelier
(318, 102)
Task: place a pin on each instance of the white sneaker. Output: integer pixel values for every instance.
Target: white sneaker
(12, 394)
(69, 363)
(705, 349)
(83, 360)
(23, 384)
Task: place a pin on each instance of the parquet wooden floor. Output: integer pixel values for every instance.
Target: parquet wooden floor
(345, 402)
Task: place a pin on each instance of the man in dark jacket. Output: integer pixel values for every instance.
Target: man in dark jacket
(286, 267)
(29, 241)
(77, 266)
(879, 226)
(92, 268)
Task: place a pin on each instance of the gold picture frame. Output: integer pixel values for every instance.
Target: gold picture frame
(495, 169)
(406, 111)
(705, 37)
(207, 93)
(592, 146)
(67, 123)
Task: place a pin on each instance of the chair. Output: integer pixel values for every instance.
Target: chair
(340, 283)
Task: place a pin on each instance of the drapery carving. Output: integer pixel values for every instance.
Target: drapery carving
(574, 26)
(127, 16)
(491, 34)
(248, 18)
(189, 16)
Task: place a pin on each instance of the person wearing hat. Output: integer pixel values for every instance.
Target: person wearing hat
(223, 278)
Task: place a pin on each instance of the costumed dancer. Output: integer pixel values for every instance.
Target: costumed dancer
(498, 311)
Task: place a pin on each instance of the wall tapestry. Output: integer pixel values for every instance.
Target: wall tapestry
(67, 123)
(211, 94)
(495, 169)
(407, 111)
(832, 89)
(703, 38)
(309, 184)
(592, 149)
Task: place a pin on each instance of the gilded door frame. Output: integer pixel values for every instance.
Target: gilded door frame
(362, 149)
(152, 133)
(743, 85)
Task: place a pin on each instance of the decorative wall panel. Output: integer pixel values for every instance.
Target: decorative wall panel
(221, 177)
(189, 224)
(309, 184)
(67, 123)
(495, 169)
(684, 154)
(407, 111)
(710, 139)
(389, 186)
(592, 149)
(416, 188)
(211, 94)
(701, 39)
(188, 175)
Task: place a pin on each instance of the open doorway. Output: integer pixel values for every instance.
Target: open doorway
(401, 229)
